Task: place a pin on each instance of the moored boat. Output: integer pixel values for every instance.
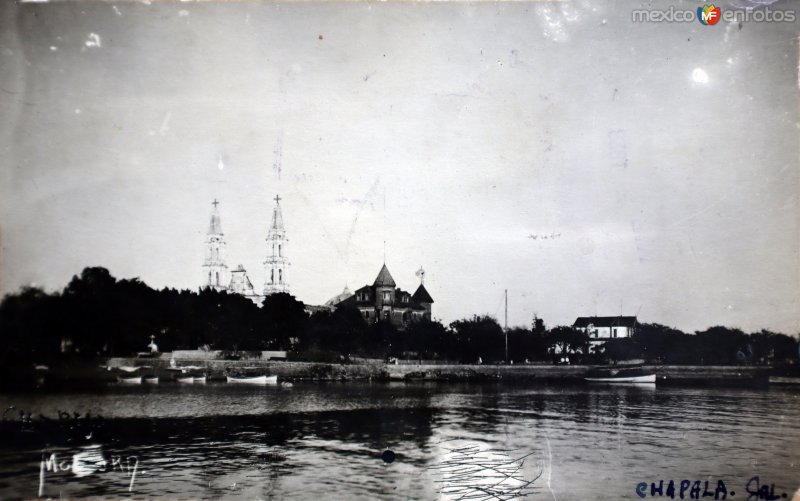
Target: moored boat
(185, 380)
(130, 380)
(784, 380)
(253, 379)
(620, 375)
(151, 380)
(200, 379)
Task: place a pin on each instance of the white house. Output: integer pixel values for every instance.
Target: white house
(601, 329)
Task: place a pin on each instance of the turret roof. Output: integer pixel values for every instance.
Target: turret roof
(384, 278)
(421, 295)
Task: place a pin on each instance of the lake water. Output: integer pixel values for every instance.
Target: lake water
(447, 441)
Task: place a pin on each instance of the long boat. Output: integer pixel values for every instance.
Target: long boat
(253, 379)
(130, 380)
(624, 375)
(185, 380)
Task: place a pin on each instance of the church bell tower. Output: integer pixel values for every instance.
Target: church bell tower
(276, 263)
(215, 271)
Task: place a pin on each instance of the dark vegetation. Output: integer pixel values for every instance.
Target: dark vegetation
(98, 315)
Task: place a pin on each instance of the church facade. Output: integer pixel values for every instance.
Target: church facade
(216, 274)
(384, 301)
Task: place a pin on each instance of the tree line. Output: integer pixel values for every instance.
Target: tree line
(99, 315)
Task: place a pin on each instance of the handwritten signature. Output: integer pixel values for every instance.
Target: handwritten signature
(551, 236)
(698, 489)
(88, 461)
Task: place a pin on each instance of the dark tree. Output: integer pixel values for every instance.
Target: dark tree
(622, 349)
(720, 345)
(526, 344)
(662, 344)
(428, 339)
(330, 335)
(566, 339)
(283, 320)
(479, 337)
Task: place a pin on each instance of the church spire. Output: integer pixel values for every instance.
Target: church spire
(277, 216)
(215, 271)
(276, 264)
(215, 228)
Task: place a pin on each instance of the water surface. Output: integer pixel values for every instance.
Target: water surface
(481, 441)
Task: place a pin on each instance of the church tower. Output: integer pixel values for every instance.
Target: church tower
(276, 263)
(215, 271)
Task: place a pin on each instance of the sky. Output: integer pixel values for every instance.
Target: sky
(588, 164)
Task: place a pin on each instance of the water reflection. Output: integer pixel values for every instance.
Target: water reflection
(327, 440)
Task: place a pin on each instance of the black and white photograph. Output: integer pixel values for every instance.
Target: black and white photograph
(400, 250)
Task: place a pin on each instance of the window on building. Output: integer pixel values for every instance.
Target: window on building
(271, 276)
(280, 276)
(615, 332)
(217, 278)
(387, 296)
(279, 251)
(209, 278)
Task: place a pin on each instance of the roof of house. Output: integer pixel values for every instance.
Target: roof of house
(619, 321)
(421, 295)
(339, 297)
(384, 278)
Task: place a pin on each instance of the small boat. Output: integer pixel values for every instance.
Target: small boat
(151, 380)
(127, 368)
(623, 375)
(130, 380)
(254, 379)
(784, 380)
(185, 380)
(200, 379)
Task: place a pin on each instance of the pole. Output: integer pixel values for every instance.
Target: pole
(505, 329)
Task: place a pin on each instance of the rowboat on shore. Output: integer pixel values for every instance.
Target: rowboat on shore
(199, 379)
(185, 380)
(130, 380)
(784, 380)
(623, 375)
(253, 380)
(151, 380)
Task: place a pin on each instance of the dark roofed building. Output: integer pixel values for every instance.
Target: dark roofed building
(383, 300)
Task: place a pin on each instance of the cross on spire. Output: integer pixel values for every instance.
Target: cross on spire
(215, 203)
(277, 199)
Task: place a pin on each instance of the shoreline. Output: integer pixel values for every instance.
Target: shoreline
(81, 374)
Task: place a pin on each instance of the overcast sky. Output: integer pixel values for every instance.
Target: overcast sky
(659, 160)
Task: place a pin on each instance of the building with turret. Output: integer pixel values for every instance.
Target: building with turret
(384, 301)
